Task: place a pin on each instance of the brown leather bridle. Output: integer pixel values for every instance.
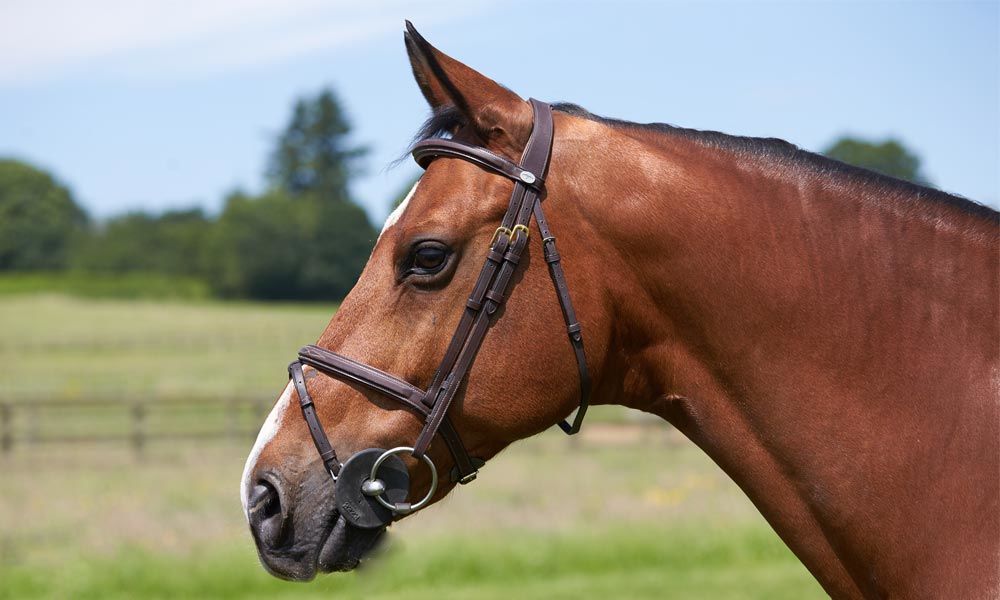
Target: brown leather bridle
(361, 495)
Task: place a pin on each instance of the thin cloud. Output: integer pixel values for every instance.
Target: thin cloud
(43, 40)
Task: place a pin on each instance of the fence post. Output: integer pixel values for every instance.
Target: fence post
(6, 428)
(138, 428)
(34, 424)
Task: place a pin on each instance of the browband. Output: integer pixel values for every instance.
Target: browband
(426, 151)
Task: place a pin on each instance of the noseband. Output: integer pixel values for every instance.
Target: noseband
(372, 485)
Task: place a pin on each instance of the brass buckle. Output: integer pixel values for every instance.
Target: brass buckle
(500, 231)
(518, 227)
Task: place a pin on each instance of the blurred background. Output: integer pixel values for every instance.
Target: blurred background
(187, 189)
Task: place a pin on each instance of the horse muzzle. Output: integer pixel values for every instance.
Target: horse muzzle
(299, 529)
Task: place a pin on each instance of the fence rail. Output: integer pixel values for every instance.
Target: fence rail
(135, 422)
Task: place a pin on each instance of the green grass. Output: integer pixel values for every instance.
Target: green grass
(658, 562)
(97, 285)
(55, 346)
(640, 518)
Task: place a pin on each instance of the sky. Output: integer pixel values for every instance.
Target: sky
(166, 104)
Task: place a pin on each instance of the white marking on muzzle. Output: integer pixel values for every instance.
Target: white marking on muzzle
(267, 433)
(398, 211)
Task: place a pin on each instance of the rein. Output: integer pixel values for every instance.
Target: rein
(369, 501)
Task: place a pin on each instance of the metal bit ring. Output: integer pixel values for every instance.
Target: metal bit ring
(423, 501)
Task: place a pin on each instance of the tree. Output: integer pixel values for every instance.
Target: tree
(38, 218)
(278, 247)
(341, 240)
(889, 157)
(313, 154)
(257, 247)
(304, 238)
(172, 243)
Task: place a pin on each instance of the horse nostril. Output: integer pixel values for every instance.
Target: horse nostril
(267, 520)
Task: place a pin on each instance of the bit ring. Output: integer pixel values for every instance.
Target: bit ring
(423, 501)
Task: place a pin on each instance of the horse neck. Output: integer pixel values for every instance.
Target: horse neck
(793, 326)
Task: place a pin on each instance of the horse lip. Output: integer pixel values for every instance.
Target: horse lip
(297, 562)
(345, 546)
(288, 568)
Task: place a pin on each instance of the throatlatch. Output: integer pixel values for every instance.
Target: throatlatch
(372, 485)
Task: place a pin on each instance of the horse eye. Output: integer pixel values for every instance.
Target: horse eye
(428, 259)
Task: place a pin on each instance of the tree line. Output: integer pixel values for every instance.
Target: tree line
(303, 238)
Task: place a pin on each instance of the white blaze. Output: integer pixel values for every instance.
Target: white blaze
(267, 432)
(398, 211)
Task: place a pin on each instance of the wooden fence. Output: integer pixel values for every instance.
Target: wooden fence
(133, 422)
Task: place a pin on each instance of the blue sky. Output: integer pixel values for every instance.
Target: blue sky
(163, 104)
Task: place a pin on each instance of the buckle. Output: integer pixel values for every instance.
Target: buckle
(477, 463)
(500, 231)
(518, 227)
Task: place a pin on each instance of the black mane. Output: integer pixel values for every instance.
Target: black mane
(444, 122)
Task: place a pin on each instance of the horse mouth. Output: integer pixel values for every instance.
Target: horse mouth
(346, 546)
(340, 547)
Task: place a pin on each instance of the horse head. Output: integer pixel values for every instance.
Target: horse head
(395, 328)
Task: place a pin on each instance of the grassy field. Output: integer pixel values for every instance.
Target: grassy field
(130, 286)
(55, 346)
(629, 511)
(695, 563)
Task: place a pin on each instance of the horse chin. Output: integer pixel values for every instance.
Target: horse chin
(346, 546)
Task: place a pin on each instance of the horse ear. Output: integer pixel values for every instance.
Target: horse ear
(497, 115)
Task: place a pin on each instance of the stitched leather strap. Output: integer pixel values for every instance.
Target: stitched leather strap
(320, 440)
(426, 151)
(573, 328)
(345, 369)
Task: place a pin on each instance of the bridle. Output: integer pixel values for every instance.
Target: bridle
(372, 485)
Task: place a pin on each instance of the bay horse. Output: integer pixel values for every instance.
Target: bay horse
(827, 335)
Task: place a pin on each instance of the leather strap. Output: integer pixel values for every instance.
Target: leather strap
(426, 151)
(573, 329)
(345, 369)
(320, 440)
